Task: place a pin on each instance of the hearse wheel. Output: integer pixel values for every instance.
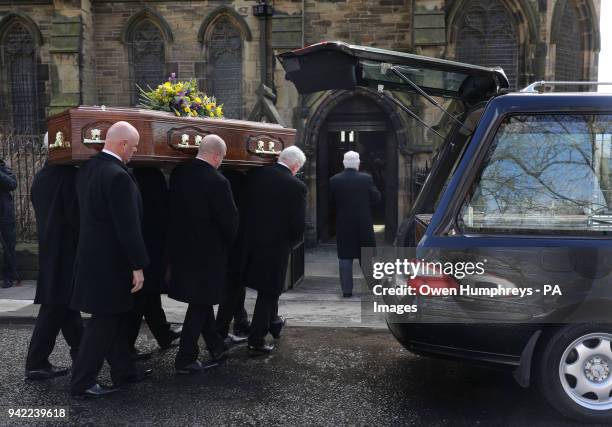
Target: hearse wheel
(574, 371)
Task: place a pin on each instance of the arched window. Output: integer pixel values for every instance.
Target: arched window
(225, 66)
(569, 55)
(21, 101)
(487, 36)
(147, 57)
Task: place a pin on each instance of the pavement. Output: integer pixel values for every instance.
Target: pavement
(315, 301)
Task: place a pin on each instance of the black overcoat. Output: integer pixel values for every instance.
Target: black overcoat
(53, 196)
(237, 180)
(274, 208)
(8, 183)
(155, 222)
(353, 193)
(204, 222)
(111, 244)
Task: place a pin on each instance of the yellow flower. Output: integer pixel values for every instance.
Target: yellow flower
(209, 107)
(211, 114)
(187, 109)
(198, 100)
(219, 111)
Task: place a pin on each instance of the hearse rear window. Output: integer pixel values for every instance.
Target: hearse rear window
(545, 174)
(424, 77)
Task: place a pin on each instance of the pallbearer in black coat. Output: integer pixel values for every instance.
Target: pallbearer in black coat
(204, 221)
(233, 305)
(53, 196)
(353, 193)
(147, 303)
(274, 206)
(111, 255)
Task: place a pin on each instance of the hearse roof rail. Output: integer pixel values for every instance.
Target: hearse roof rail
(532, 88)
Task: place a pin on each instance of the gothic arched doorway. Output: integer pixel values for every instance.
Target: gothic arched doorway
(359, 124)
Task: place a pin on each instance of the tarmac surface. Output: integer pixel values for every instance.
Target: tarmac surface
(317, 376)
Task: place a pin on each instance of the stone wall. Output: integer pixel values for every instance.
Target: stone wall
(87, 59)
(88, 72)
(185, 54)
(101, 73)
(385, 24)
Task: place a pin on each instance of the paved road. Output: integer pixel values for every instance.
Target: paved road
(319, 376)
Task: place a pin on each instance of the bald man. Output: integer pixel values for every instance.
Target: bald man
(111, 255)
(204, 222)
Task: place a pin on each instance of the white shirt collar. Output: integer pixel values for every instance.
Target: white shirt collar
(110, 153)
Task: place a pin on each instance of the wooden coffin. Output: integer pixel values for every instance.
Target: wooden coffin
(77, 134)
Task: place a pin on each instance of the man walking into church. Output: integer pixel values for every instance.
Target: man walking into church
(353, 194)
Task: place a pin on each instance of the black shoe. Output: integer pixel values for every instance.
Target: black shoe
(232, 339)
(45, 374)
(277, 326)
(173, 335)
(7, 283)
(95, 391)
(219, 355)
(258, 350)
(138, 376)
(140, 355)
(347, 295)
(242, 329)
(192, 368)
(213, 363)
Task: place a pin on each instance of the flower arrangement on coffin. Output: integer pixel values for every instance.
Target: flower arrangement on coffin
(182, 98)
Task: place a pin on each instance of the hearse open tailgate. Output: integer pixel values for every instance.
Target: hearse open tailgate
(338, 65)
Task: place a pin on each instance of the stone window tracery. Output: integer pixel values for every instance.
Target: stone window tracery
(487, 36)
(21, 100)
(225, 66)
(147, 57)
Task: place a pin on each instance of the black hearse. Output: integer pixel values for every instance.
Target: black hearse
(523, 182)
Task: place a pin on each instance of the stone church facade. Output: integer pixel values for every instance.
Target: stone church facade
(56, 54)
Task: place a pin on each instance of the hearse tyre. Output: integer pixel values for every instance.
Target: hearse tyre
(574, 371)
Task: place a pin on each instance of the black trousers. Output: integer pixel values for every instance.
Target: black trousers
(199, 319)
(105, 337)
(9, 240)
(266, 312)
(232, 307)
(50, 321)
(149, 306)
